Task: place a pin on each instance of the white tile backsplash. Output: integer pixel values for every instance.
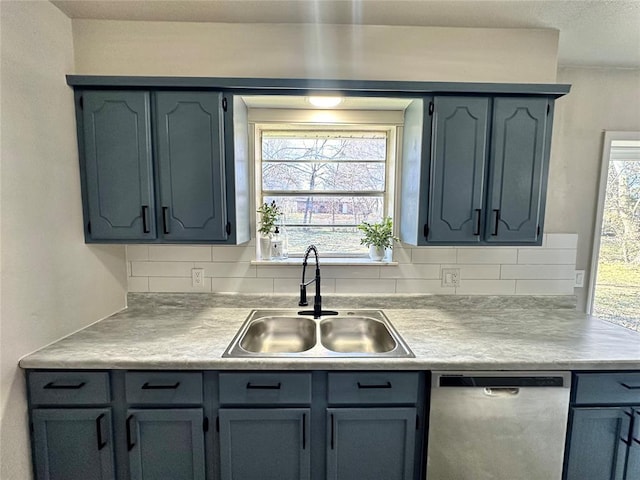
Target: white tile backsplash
(545, 270)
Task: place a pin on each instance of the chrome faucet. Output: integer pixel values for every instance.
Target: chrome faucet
(317, 311)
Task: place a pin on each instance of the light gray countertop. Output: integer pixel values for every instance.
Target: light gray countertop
(191, 331)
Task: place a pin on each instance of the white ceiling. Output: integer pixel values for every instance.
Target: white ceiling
(592, 32)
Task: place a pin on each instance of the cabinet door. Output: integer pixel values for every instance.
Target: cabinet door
(517, 168)
(117, 165)
(265, 444)
(457, 171)
(370, 443)
(598, 444)
(166, 444)
(633, 460)
(73, 444)
(191, 165)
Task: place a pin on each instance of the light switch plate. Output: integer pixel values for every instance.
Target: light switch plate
(579, 279)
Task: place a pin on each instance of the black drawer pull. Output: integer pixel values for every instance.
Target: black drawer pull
(101, 442)
(304, 431)
(252, 386)
(495, 226)
(145, 221)
(52, 385)
(146, 386)
(130, 443)
(165, 220)
(384, 385)
(630, 387)
(332, 431)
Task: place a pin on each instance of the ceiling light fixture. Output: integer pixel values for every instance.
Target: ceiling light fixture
(325, 102)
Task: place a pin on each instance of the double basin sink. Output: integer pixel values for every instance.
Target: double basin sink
(284, 333)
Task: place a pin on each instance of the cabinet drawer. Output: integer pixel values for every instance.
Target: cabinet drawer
(164, 387)
(607, 388)
(265, 388)
(69, 388)
(373, 387)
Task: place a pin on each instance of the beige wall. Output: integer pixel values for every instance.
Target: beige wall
(52, 283)
(600, 99)
(315, 51)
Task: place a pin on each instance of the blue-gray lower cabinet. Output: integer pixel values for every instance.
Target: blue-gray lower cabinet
(265, 444)
(166, 444)
(73, 443)
(604, 427)
(601, 441)
(370, 443)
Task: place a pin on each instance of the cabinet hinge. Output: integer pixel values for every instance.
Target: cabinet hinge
(89, 227)
(224, 104)
(205, 424)
(81, 101)
(431, 107)
(217, 424)
(228, 228)
(425, 231)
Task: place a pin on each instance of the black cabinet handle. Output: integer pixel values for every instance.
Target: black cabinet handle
(101, 442)
(478, 215)
(252, 386)
(383, 385)
(304, 431)
(145, 219)
(130, 443)
(165, 220)
(332, 430)
(76, 386)
(146, 386)
(630, 387)
(495, 225)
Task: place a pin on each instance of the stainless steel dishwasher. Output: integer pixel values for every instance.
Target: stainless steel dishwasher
(497, 425)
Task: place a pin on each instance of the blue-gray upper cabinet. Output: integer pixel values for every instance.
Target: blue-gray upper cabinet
(459, 151)
(118, 173)
(163, 166)
(475, 170)
(190, 157)
(518, 170)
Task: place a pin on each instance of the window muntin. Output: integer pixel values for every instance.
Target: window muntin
(326, 182)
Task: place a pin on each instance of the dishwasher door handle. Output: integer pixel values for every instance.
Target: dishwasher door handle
(501, 391)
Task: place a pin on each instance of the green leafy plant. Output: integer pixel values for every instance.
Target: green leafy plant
(378, 234)
(269, 213)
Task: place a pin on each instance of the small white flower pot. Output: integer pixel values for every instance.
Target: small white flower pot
(376, 253)
(265, 248)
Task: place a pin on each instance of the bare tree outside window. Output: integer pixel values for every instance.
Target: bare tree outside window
(326, 182)
(617, 292)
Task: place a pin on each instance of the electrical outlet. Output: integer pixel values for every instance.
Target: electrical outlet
(450, 277)
(197, 277)
(579, 283)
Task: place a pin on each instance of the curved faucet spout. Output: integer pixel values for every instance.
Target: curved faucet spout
(317, 299)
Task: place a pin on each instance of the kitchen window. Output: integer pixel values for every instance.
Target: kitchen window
(326, 180)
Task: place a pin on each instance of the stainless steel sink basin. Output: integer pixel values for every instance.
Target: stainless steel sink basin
(279, 335)
(356, 334)
(284, 333)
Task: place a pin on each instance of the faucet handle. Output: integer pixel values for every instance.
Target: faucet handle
(303, 296)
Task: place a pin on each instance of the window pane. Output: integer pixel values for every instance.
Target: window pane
(281, 146)
(329, 240)
(329, 210)
(360, 176)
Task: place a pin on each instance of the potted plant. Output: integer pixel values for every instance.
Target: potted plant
(378, 237)
(269, 213)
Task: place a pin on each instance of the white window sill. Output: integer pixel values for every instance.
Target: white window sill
(327, 261)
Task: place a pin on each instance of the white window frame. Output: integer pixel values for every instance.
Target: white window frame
(389, 121)
(609, 138)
